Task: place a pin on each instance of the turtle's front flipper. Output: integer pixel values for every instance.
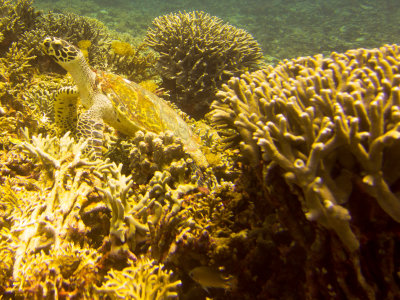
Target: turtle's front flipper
(65, 108)
(91, 126)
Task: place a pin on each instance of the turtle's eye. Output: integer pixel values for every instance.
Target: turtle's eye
(47, 44)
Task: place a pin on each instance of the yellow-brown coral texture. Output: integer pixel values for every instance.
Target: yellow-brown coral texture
(197, 53)
(327, 122)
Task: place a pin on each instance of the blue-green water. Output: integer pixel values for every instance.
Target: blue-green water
(285, 29)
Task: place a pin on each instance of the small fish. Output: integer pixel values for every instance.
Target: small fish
(210, 278)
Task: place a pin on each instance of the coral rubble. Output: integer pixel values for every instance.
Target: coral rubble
(198, 52)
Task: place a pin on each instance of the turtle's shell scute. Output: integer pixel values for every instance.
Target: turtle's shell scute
(143, 110)
(139, 105)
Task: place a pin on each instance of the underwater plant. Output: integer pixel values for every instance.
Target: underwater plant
(197, 53)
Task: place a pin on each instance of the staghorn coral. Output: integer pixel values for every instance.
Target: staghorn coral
(143, 280)
(148, 152)
(42, 229)
(72, 268)
(115, 196)
(45, 231)
(140, 212)
(39, 209)
(198, 52)
(16, 18)
(15, 70)
(331, 125)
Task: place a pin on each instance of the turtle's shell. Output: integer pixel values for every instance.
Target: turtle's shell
(143, 110)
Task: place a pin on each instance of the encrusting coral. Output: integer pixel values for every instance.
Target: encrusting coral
(332, 126)
(198, 52)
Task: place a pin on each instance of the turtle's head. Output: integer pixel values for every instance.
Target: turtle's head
(64, 53)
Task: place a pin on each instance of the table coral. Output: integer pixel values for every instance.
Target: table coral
(197, 53)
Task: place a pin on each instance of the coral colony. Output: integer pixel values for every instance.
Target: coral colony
(301, 188)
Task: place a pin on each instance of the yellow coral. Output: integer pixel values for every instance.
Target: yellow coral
(84, 44)
(122, 48)
(145, 279)
(300, 113)
(197, 53)
(149, 85)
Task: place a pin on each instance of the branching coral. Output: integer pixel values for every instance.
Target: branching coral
(39, 215)
(43, 261)
(16, 18)
(303, 111)
(143, 280)
(198, 52)
(135, 213)
(327, 122)
(15, 69)
(48, 221)
(136, 63)
(149, 152)
(63, 271)
(115, 196)
(74, 29)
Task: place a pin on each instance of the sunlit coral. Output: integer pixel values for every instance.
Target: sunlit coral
(122, 48)
(331, 124)
(145, 279)
(198, 52)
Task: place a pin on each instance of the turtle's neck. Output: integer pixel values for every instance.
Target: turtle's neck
(84, 78)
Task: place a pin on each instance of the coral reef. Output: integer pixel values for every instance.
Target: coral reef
(107, 50)
(135, 63)
(16, 18)
(138, 282)
(15, 70)
(331, 126)
(198, 52)
(49, 231)
(302, 189)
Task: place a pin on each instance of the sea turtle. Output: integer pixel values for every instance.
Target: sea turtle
(111, 99)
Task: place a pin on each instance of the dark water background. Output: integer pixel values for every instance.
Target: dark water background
(284, 28)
